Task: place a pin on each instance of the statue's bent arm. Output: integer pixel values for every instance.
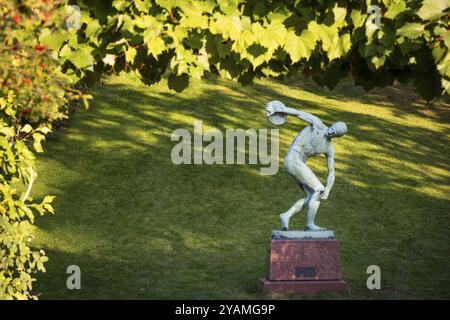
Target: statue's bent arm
(330, 166)
(305, 116)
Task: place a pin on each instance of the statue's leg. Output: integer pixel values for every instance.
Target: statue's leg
(312, 186)
(313, 206)
(297, 207)
(284, 217)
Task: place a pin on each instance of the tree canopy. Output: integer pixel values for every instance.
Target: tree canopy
(243, 40)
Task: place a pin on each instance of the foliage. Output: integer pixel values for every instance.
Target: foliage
(32, 97)
(326, 40)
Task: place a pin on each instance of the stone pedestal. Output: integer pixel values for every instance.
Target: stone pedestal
(303, 266)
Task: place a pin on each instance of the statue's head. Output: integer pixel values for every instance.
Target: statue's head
(337, 129)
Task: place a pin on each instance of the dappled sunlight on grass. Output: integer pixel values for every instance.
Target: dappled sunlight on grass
(142, 227)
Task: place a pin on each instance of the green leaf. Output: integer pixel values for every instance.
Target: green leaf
(339, 16)
(120, 5)
(327, 34)
(48, 199)
(166, 4)
(228, 6)
(44, 129)
(223, 49)
(300, 46)
(395, 8)
(51, 39)
(278, 16)
(143, 5)
(378, 61)
(130, 54)
(260, 9)
(38, 137)
(341, 45)
(446, 85)
(7, 131)
(358, 18)
(273, 36)
(227, 26)
(194, 40)
(256, 50)
(178, 83)
(444, 66)
(411, 30)
(156, 47)
(93, 28)
(438, 53)
(115, 44)
(433, 9)
(155, 44)
(82, 58)
(26, 128)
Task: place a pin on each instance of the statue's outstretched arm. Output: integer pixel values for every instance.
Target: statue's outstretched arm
(305, 116)
(276, 106)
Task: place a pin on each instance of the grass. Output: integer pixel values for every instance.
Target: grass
(140, 227)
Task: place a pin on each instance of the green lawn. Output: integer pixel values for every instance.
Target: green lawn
(140, 227)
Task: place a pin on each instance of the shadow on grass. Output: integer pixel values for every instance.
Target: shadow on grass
(141, 227)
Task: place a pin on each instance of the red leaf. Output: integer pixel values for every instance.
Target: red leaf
(39, 47)
(16, 18)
